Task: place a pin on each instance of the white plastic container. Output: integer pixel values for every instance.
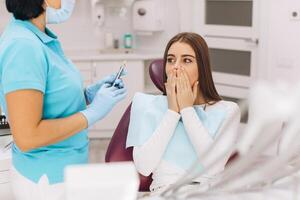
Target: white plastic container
(109, 40)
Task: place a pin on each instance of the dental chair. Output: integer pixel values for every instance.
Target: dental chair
(117, 151)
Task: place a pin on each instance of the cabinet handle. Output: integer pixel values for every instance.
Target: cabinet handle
(254, 41)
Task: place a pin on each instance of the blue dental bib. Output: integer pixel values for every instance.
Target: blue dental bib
(147, 111)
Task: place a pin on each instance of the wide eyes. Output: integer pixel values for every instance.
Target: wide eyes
(172, 60)
(187, 60)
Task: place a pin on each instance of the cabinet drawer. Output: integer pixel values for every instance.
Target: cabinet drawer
(86, 71)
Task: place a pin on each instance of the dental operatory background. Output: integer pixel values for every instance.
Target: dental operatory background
(250, 41)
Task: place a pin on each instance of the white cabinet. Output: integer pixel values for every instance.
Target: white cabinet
(227, 18)
(231, 29)
(233, 61)
(94, 70)
(86, 70)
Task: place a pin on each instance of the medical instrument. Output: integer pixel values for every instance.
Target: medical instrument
(119, 74)
(239, 176)
(278, 106)
(245, 161)
(266, 171)
(260, 140)
(91, 90)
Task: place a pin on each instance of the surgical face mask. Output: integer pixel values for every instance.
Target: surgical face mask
(56, 16)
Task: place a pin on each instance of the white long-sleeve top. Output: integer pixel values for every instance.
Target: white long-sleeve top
(148, 158)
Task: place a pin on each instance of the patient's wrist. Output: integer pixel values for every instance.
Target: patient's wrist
(186, 109)
(173, 113)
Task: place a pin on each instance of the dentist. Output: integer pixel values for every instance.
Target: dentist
(41, 91)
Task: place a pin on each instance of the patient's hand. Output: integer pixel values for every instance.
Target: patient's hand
(171, 91)
(186, 95)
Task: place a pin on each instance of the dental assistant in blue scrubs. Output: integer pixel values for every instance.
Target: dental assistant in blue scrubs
(41, 91)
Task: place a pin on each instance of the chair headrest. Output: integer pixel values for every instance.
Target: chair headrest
(156, 70)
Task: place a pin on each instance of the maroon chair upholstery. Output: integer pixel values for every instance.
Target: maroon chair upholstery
(156, 70)
(117, 151)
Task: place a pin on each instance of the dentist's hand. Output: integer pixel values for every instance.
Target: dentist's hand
(91, 90)
(105, 99)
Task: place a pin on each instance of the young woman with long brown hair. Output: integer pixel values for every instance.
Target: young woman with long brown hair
(170, 132)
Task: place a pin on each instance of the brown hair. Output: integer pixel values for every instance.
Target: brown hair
(198, 44)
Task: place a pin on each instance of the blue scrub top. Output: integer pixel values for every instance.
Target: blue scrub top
(31, 59)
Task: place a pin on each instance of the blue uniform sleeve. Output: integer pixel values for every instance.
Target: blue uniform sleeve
(24, 67)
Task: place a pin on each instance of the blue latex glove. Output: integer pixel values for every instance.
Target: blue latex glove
(105, 99)
(91, 90)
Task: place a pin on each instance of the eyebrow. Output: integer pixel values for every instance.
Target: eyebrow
(184, 55)
(187, 55)
(171, 55)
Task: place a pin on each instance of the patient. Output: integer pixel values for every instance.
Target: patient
(170, 132)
